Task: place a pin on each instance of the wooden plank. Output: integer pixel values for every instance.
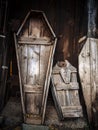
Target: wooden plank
(48, 74)
(44, 58)
(67, 98)
(25, 20)
(33, 103)
(62, 86)
(32, 118)
(23, 62)
(72, 111)
(33, 88)
(56, 99)
(34, 41)
(74, 98)
(61, 97)
(88, 71)
(94, 58)
(33, 65)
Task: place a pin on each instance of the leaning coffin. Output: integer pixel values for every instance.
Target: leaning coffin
(35, 43)
(65, 91)
(88, 72)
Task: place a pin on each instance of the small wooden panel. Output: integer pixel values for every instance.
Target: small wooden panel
(65, 91)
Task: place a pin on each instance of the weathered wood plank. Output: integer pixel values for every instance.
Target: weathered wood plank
(62, 86)
(35, 41)
(72, 111)
(33, 64)
(33, 88)
(33, 103)
(23, 61)
(44, 52)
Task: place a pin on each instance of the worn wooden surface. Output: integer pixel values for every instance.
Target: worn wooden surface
(35, 44)
(65, 91)
(88, 71)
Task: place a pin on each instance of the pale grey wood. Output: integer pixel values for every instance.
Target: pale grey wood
(88, 71)
(66, 91)
(84, 71)
(62, 86)
(23, 62)
(37, 46)
(56, 100)
(37, 41)
(44, 58)
(33, 88)
(33, 65)
(72, 111)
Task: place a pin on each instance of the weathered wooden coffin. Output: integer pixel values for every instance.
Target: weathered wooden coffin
(35, 44)
(88, 72)
(65, 91)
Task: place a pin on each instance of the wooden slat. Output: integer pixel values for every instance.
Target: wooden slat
(33, 65)
(34, 41)
(62, 86)
(44, 58)
(72, 111)
(74, 98)
(33, 103)
(32, 118)
(56, 100)
(61, 98)
(22, 51)
(33, 88)
(48, 74)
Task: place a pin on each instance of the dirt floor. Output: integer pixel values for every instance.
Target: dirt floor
(11, 118)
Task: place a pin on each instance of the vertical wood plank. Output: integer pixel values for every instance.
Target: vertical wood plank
(33, 64)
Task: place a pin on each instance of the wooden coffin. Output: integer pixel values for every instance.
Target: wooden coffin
(65, 90)
(35, 43)
(88, 72)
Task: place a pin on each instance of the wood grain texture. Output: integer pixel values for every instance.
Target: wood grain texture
(88, 71)
(35, 58)
(65, 89)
